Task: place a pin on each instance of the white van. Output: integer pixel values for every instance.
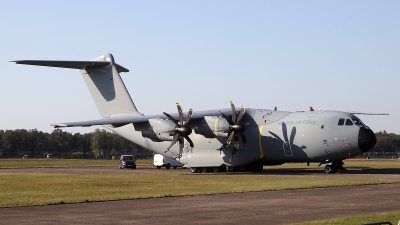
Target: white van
(161, 160)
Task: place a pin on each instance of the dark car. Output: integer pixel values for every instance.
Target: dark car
(127, 161)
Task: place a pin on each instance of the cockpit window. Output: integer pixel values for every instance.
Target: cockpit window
(348, 122)
(341, 122)
(358, 122)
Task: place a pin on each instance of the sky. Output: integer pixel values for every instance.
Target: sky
(332, 55)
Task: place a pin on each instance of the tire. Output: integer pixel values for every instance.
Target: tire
(215, 170)
(232, 168)
(222, 169)
(158, 167)
(330, 169)
(193, 169)
(134, 167)
(205, 169)
(168, 166)
(174, 167)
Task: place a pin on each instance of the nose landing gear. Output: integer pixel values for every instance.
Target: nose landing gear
(333, 166)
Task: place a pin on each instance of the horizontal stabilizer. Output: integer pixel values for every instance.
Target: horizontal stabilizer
(70, 64)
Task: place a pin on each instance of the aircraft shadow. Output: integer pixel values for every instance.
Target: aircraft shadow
(302, 172)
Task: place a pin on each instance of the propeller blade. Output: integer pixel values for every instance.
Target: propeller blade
(190, 113)
(234, 150)
(171, 118)
(236, 138)
(228, 141)
(176, 136)
(180, 113)
(180, 139)
(233, 112)
(181, 144)
(236, 145)
(227, 118)
(181, 131)
(190, 141)
(241, 114)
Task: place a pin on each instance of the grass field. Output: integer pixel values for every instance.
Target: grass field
(25, 189)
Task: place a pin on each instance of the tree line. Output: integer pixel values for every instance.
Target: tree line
(387, 142)
(61, 144)
(103, 144)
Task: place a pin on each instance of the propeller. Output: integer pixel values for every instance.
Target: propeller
(182, 131)
(236, 129)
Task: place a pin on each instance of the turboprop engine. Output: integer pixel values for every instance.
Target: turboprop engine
(213, 126)
(157, 129)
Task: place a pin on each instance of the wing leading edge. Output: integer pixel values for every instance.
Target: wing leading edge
(121, 121)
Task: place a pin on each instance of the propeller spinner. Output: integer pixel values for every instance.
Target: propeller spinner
(235, 128)
(182, 131)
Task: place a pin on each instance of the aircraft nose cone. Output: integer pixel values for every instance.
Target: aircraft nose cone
(366, 139)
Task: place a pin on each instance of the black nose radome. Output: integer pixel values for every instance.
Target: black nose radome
(366, 139)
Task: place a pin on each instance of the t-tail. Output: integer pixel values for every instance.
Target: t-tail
(102, 77)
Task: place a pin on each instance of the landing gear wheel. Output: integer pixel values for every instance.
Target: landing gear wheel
(193, 169)
(242, 168)
(206, 169)
(222, 169)
(232, 169)
(168, 166)
(215, 169)
(330, 169)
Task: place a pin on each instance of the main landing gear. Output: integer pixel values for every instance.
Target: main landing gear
(333, 166)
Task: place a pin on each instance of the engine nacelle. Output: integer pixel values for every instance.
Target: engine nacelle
(213, 126)
(156, 129)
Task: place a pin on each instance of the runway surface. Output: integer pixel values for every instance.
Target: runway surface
(272, 207)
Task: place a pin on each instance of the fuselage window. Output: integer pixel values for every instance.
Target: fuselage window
(341, 122)
(348, 122)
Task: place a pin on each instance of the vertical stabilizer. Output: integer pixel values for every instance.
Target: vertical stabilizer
(107, 88)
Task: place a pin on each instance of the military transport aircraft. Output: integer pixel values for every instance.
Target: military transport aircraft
(260, 136)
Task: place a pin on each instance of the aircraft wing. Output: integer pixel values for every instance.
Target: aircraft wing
(121, 121)
(367, 113)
